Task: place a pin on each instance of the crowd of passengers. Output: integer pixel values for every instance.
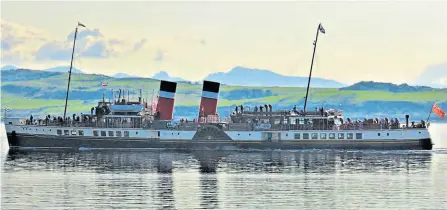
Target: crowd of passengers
(57, 120)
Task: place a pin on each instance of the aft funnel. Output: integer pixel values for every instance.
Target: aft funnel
(165, 105)
(210, 96)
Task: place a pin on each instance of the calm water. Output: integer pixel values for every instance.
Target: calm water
(319, 179)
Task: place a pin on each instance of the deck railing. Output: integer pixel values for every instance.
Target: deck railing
(227, 127)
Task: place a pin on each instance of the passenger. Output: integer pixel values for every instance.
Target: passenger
(260, 108)
(256, 108)
(242, 108)
(270, 106)
(236, 109)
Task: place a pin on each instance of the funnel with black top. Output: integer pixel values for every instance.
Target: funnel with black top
(165, 105)
(210, 97)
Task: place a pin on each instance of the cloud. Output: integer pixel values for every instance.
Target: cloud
(90, 43)
(190, 39)
(160, 56)
(23, 43)
(139, 44)
(17, 41)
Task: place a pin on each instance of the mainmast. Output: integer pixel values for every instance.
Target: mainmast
(71, 66)
(319, 29)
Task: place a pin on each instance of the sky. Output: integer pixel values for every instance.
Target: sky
(387, 41)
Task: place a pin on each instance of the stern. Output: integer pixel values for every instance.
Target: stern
(426, 142)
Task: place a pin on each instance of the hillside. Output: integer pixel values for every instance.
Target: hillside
(40, 93)
(389, 87)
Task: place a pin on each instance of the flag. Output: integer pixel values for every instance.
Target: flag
(80, 24)
(438, 111)
(321, 29)
(105, 84)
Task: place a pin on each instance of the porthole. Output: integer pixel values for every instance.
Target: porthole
(378, 134)
(388, 134)
(136, 133)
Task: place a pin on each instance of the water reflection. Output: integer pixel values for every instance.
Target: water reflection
(166, 191)
(208, 179)
(319, 161)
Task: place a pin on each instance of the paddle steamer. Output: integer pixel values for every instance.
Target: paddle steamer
(139, 125)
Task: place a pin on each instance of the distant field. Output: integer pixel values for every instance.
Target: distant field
(44, 92)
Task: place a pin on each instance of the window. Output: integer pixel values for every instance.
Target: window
(118, 133)
(73, 133)
(378, 134)
(111, 133)
(297, 136)
(95, 133)
(341, 136)
(80, 132)
(315, 136)
(358, 136)
(103, 133)
(350, 135)
(126, 133)
(59, 132)
(305, 136)
(158, 133)
(322, 136)
(66, 132)
(332, 136)
(387, 134)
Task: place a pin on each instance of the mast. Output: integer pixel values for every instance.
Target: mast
(320, 28)
(71, 66)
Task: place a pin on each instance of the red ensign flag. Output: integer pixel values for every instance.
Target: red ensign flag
(438, 111)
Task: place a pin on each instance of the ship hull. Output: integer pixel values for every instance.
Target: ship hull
(28, 141)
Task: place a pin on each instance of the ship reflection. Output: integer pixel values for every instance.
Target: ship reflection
(165, 162)
(166, 168)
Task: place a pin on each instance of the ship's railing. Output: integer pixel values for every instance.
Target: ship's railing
(284, 127)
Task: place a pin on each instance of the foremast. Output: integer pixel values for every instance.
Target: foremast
(71, 66)
(319, 29)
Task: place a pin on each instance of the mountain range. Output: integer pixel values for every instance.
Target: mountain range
(236, 76)
(434, 76)
(239, 75)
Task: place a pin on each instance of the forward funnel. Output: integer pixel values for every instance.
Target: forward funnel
(210, 97)
(165, 105)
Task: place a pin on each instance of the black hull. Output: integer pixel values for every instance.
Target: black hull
(23, 141)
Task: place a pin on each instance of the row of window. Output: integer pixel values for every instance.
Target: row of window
(112, 133)
(95, 133)
(331, 136)
(73, 132)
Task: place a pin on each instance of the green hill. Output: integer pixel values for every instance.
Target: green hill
(38, 92)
